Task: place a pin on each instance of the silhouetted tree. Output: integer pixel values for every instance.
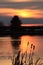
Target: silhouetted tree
(15, 29)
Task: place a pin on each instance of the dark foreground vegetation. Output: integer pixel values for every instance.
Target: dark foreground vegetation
(33, 30)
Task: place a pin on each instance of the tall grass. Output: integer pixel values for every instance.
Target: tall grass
(26, 59)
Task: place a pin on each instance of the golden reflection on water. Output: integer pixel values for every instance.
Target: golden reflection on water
(24, 43)
(6, 47)
(35, 40)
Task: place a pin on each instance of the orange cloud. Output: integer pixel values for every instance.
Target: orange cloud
(31, 24)
(24, 13)
(20, 0)
(17, 0)
(23, 0)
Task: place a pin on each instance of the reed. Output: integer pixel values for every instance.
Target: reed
(27, 59)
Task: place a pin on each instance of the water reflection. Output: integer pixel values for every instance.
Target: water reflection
(7, 49)
(5, 43)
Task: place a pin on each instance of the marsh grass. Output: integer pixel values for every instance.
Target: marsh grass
(27, 59)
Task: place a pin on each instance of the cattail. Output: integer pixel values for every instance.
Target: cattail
(31, 46)
(27, 43)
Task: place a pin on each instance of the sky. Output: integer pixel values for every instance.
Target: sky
(29, 11)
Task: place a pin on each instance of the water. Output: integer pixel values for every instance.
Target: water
(6, 48)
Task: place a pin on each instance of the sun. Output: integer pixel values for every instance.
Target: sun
(24, 14)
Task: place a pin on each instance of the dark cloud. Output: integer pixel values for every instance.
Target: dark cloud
(32, 20)
(7, 20)
(21, 5)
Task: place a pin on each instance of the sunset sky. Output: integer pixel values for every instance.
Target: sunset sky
(30, 11)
